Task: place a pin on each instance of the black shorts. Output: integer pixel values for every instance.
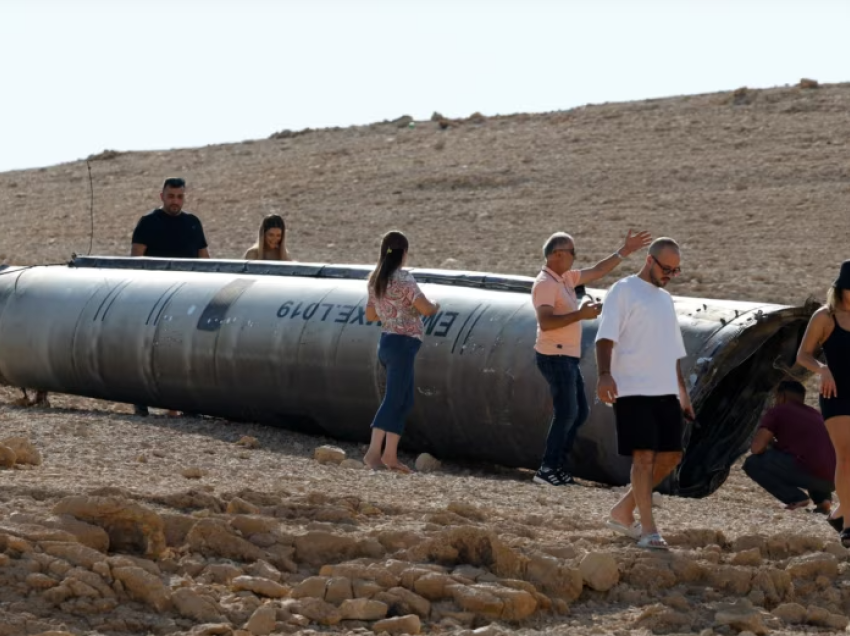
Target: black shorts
(834, 407)
(648, 422)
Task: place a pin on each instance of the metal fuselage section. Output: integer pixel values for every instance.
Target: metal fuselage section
(289, 344)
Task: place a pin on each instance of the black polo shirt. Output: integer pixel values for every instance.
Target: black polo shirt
(168, 236)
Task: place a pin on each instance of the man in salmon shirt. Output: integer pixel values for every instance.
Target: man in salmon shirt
(558, 344)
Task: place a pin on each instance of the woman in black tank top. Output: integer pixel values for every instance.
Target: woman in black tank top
(829, 329)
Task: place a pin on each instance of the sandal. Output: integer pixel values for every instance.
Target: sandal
(632, 532)
(654, 541)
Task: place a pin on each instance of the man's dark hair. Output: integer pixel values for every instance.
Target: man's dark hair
(792, 387)
(174, 182)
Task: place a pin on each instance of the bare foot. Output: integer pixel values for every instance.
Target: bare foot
(398, 467)
(373, 461)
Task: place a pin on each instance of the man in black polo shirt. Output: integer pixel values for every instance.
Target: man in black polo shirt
(169, 232)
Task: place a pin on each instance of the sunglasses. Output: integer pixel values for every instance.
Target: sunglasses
(668, 271)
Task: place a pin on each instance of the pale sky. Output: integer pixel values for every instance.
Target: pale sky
(81, 76)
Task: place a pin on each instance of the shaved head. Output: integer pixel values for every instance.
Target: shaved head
(661, 244)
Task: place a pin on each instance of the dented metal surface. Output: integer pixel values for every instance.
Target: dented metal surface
(288, 344)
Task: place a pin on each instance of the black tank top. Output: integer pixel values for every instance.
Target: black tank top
(837, 352)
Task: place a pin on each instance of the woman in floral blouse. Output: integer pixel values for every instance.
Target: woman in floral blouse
(396, 300)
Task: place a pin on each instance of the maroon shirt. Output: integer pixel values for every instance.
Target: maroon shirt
(800, 432)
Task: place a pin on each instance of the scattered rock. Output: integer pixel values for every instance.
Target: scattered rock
(238, 506)
(813, 565)
(259, 586)
(409, 624)
(319, 611)
(809, 83)
(741, 616)
(362, 609)
(246, 441)
(319, 547)
(747, 557)
(792, 613)
(213, 537)
(192, 605)
(7, 457)
(599, 571)
(659, 618)
(354, 464)
(313, 586)
(262, 621)
(25, 451)
(144, 587)
(193, 472)
(131, 527)
(329, 455)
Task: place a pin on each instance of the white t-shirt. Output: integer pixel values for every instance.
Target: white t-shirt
(641, 321)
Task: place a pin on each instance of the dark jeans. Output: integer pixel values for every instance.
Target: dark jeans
(780, 475)
(397, 354)
(569, 403)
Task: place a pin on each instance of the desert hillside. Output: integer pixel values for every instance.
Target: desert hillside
(753, 184)
(114, 525)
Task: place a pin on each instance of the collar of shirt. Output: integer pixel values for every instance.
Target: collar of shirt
(558, 278)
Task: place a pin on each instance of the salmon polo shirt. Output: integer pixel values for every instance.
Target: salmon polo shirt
(558, 292)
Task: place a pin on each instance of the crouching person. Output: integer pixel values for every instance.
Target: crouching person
(792, 455)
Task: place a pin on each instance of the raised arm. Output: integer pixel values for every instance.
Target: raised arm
(632, 243)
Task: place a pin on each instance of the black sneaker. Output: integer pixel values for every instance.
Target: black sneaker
(548, 477)
(566, 478)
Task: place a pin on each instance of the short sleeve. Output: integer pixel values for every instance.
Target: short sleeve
(543, 294)
(770, 421)
(199, 237)
(613, 310)
(410, 287)
(572, 277)
(142, 233)
(681, 352)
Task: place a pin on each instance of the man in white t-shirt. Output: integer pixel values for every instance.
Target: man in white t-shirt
(638, 348)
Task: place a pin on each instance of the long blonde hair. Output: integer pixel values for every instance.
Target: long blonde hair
(835, 298)
(271, 221)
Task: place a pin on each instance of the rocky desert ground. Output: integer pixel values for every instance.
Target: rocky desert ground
(112, 524)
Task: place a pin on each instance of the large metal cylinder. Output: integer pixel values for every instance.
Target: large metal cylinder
(288, 344)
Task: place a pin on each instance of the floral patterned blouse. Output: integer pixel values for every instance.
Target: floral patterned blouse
(395, 308)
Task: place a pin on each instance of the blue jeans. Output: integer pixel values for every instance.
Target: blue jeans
(396, 354)
(570, 409)
(780, 475)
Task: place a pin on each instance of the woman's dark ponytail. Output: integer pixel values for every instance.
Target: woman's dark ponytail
(393, 248)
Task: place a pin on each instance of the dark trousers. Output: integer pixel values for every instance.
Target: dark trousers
(780, 475)
(569, 406)
(397, 354)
